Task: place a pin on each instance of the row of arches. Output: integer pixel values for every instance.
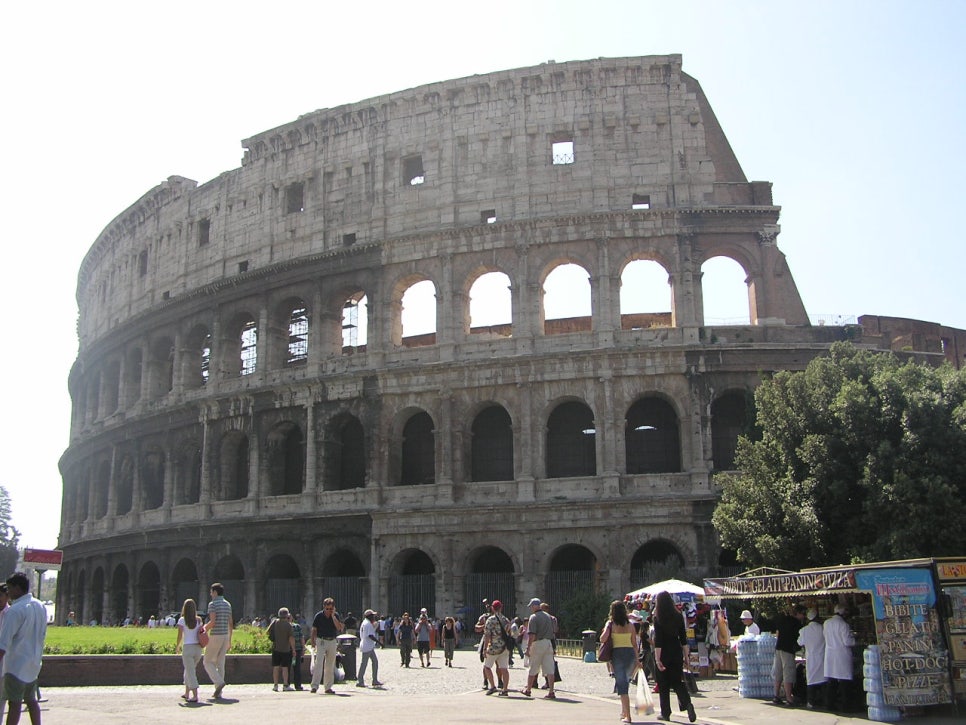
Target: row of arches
(286, 335)
(176, 473)
(107, 594)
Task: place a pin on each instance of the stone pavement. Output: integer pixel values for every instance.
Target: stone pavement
(422, 696)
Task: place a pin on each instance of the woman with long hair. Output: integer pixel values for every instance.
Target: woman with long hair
(670, 654)
(623, 637)
(449, 640)
(188, 627)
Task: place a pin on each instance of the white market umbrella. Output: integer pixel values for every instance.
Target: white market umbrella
(671, 586)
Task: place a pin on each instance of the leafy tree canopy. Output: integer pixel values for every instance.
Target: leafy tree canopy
(861, 458)
(9, 536)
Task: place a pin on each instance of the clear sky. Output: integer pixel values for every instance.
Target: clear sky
(853, 110)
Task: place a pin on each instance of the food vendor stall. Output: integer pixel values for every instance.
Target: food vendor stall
(901, 641)
(951, 575)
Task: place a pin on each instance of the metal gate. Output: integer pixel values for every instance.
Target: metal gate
(282, 593)
(182, 591)
(349, 593)
(412, 592)
(235, 594)
(491, 585)
(563, 585)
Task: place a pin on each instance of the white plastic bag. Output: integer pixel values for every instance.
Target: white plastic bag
(643, 701)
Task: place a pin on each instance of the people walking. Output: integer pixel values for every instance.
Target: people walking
(22, 636)
(325, 628)
(496, 647)
(448, 636)
(406, 634)
(219, 628)
(299, 637)
(623, 637)
(283, 648)
(368, 641)
(670, 653)
(783, 665)
(540, 632)
(189, 626)
(423, 627)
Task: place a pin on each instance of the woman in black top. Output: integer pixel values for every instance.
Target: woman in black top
(670, 653)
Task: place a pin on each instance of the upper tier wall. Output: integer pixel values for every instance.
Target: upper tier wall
(338, 177)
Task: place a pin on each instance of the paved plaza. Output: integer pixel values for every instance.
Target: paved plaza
(423, 696)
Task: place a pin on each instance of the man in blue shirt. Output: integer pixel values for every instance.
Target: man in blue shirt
(21, 649)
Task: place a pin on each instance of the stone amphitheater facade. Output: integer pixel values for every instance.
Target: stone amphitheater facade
(249, 408)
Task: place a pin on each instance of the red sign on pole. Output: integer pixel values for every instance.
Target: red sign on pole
(43, 558)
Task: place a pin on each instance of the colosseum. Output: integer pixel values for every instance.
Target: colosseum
(252, 405)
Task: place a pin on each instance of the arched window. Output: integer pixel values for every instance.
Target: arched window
(197, 363)
(570, 441)
(234, 466)
(645, 296)
(286, 460)
(345, 454)
(152, 479)
(656, 560)
(572, 571)
(149, 591)
(248, 348)
(491, 457)
(491, 305)
(418, 450)
(412, 583)
(125, 487)
(161, 367)
(418, 314)
(724, 289)
(730, 415)
(651, 438)
(355, 323)
(101, 486)
(567, 304)
(298, 335)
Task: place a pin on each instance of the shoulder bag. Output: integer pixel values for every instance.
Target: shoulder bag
(605, 650)
(202, 636)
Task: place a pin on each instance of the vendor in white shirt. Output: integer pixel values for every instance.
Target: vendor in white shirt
(750, 627)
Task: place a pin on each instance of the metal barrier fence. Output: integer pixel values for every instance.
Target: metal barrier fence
(570, 648)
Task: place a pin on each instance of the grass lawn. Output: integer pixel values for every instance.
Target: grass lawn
(139, 640)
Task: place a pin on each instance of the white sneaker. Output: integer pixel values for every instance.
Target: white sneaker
(287, 688)
(274, 688)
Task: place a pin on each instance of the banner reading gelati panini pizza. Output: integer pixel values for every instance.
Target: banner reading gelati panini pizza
(912, 652)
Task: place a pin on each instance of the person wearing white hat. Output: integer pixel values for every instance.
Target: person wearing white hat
(838, 658)
(750, 627)
(812, 638)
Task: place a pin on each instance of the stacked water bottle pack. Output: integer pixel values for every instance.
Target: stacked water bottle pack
(755, 657)
(872, 684)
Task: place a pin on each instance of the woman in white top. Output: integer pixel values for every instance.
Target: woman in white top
(188, 627)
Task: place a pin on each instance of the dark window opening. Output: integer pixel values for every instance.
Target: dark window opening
(143, 263)
(298, 337)
(418, 451)
(641, 201)
(166, 295)
(286, 460)
(488, 216)
(295, 198)
(571, 450)
(243, 267)
(349, 239)
(413, 173)
(204, 232)
(729, 419)
(492, 447)
(562, 152)
(651, 438)
(345, 453)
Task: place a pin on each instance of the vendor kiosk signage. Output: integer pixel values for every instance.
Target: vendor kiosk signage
(911, 647)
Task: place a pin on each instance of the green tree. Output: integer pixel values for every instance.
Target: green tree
(9, 536)
(861, 457)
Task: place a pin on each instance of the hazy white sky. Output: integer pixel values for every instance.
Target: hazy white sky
(854, 110)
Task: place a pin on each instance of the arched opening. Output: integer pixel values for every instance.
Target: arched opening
(197, 362)
(572, 571)
(418, 314)
(491, 305)
(285, 458)
(345, 454)
(187, 484)
(344, 578)
(234, 468)
(418, 451)
(101, 485)
(730, 417)
(149, 591)
(567, 302)
(97, 596)
(655, 561)
(646, 299)
(132, 376)
(490, 576)
(724, 289)
(120, 583)
(125, 487)
(412, 585)
(152, 479)
(161, 367)
(297, 351)
(185, 584)
(651, 437)
(111, 383)
(230, 573)
(83, 614)
(570, 441)
(282, 588)
(248, 348)
(355, 323)
(491, 455)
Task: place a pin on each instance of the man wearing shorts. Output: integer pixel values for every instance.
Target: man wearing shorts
(496, 650)
(783, 666)
(539, 648)
(21, 649)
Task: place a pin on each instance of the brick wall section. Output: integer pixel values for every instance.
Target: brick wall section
(107, 670)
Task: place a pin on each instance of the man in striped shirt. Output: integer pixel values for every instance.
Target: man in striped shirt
(219, 628)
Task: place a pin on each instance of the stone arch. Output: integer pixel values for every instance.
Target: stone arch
(83, 612)
(566, 304)
(652, 437)
(161, 367)
(415, 311)
(654, 561)
(124, 501)
(488, 303)
(239, 346)
(153, 464)
(345, 579)
(643, 302)
(97, 596)
(490, 574)
(187, 472)
(102, 483)
(111, 384)
(412, 582)
(725, 303)
(285, 459)
(491, 445)
(149, 591)
(196, 357)
(230, 573)
(233, 468)
(185, 583)
(732, 413)
(572, 569)
(345, 453)
(571, 448)
(289, 333)
(417, 448)
(282, 584)
(133, 374)
(120, 593)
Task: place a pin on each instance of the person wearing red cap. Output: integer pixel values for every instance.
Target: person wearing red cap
(497, 649)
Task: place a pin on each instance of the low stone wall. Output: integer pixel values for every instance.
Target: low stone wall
(86, 670)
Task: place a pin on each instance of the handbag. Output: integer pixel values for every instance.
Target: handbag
(605, 650)
(643, 701)
(202, 636)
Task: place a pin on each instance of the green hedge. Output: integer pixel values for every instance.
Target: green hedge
(140, 641)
